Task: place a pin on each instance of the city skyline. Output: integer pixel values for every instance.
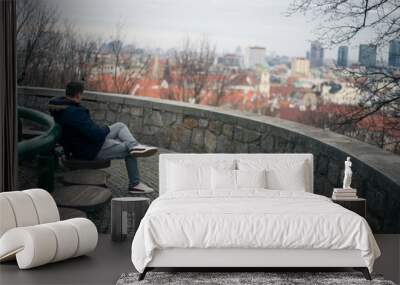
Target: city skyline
(227, 24)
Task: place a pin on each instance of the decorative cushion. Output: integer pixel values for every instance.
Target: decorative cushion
(251, 178)
(223, 179)
(231, 180)
(282, 174)
(186, 175)
(248, 161)
(183, 177)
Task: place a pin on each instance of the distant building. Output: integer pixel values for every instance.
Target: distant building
(316, 55)
(346, 95)
(255, 56)
(278, 60)
(238, 51)
(239, 54)
(156, 71)
(310, 102)
(367, 55)
(167, 75)
(229, 60)
(264, 84)
(301, 66)
(394, 53)
(107, 69)
(343, 56)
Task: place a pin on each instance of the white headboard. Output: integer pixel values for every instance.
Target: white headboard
(213, 157)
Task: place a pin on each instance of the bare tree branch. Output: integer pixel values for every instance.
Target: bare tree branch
(193, 63)
(343, 20)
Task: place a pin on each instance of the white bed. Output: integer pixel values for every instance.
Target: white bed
(211, 225)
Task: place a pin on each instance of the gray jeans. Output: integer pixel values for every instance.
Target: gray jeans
(117, 145)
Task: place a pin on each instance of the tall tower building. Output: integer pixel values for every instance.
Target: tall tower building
(343, 56)
(155, 69)
(394, 53)
(367, 55)
(255, 56)
(316, 55)
(264, 85)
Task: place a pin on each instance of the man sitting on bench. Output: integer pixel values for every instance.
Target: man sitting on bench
(82, 139)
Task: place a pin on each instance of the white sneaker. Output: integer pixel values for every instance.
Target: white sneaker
(140, 188)
(141, 150)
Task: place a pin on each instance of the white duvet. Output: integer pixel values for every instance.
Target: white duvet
(250, 219)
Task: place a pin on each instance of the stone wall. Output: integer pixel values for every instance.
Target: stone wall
(184, 127)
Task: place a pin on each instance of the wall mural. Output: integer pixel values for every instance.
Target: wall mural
(264, 57)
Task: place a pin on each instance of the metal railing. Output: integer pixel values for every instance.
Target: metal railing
(40, 147)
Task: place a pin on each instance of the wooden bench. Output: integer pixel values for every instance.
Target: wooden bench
(85, 177)
(83, 197)
(85, 164)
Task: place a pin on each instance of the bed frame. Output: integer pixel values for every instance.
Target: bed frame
(249, 259)
(245, 259)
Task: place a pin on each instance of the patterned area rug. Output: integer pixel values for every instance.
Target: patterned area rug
(243, 278)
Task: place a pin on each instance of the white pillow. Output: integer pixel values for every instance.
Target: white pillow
(282, 174)
(230, 180)
(292, 180)
(223, 179)
(193, 174)
(251, 178)
(188, 177)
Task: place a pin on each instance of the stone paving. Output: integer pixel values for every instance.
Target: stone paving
(117, 183)
(148, 167)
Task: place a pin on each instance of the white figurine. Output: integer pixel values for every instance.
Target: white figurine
(347, 174)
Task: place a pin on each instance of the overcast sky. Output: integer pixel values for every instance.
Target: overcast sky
(226, 23)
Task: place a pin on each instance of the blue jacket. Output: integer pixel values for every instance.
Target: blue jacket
(81, 138)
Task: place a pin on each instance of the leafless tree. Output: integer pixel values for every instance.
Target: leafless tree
(51, 52)
(68, 54)
(222, 83)
(35, 19)
(59, 56)
(167, 76)
(128, 67)
(193, 64)
(116, 45)
(381, 89)
(87, 56)
(343, 21)
(133, 72)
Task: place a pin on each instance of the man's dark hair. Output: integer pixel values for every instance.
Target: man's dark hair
(73, 88)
